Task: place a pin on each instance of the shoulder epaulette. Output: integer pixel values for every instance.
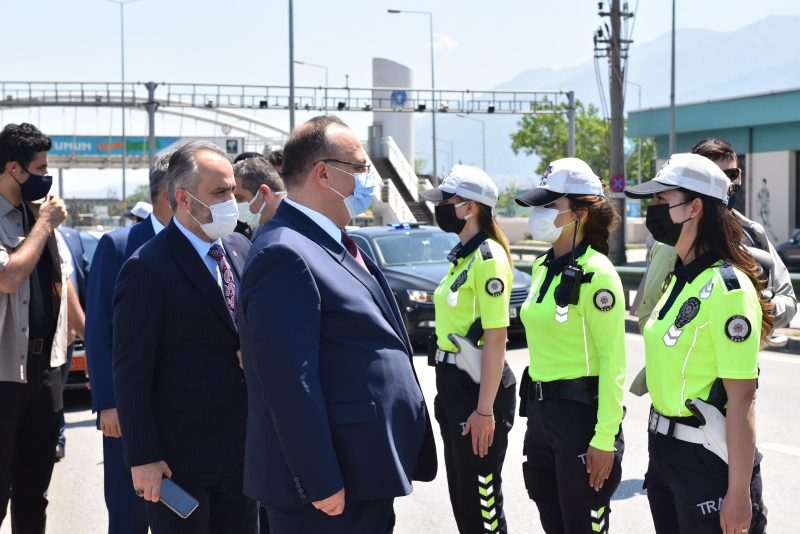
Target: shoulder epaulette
(486, 252)
(587, 277)
(729, 276)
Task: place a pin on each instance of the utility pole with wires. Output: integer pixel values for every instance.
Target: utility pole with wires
(614, 46)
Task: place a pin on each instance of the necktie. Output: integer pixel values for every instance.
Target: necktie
(351, 247)
(228, 287)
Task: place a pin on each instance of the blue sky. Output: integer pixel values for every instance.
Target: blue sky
(478, 45)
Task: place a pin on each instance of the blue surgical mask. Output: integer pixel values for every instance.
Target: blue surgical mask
(361, 199)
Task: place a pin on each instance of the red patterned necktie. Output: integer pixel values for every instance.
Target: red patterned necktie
(228, 286)
(351, 247)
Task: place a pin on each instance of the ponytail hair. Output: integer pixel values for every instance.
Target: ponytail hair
(601, 218)
(488, 225)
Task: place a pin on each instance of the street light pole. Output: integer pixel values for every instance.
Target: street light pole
(314, 65)
(483, 134)
(452, 150)
(672, 140)
(639, 174)
(122, 47)
(433, 86)
(291, 67)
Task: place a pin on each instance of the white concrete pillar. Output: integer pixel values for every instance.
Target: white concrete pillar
(398, 125)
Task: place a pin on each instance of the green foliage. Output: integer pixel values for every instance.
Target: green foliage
(141, 194)
(648, 157)
(419, 165)
(547, 136)
(506, 206)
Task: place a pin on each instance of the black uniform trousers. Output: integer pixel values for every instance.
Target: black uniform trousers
(358, 517)
(556, 441)
(222, 508)
(29, 423)
(475, 483)
(686, 483)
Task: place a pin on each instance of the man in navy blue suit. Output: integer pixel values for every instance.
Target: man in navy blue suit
(126, 512)
(79, 266)
(181, 395)
(337, 426)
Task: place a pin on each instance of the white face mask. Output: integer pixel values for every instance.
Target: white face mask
(542, 224)
(223, 219)
(248, 217)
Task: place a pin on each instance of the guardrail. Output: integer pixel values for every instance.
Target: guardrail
(401, 166)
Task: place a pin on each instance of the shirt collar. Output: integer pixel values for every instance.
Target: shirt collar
(322, 221)
(5, 206)
(558, 264)
(157, 226)
(202, 247)
(694, 268)
(464, 250)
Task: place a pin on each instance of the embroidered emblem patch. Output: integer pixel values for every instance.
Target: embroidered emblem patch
(604, 300)
(459, 281)
(687, 312)
(495, 287)
(738, 328)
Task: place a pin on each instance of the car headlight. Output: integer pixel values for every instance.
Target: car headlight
(420, 296)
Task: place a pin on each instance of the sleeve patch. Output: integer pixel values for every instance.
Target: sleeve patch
(495, 287)
(738, 328)
(604, 300)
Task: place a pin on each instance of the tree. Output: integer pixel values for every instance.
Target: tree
(140, 194)
(547, 136)
(419, 165)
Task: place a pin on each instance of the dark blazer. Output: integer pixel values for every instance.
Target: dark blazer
(181, 396)
(73, 240)
(112, 252)
(333, 397)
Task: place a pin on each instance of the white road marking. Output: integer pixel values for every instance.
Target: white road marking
(778, 447)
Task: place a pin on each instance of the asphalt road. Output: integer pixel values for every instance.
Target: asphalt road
(76, 493)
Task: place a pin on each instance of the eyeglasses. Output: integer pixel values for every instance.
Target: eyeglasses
(358, 166)
(733, 173)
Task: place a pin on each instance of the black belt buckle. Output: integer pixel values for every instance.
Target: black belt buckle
(537, 391)
(36, 346)
(655, 418)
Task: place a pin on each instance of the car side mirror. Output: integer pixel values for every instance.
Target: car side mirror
(792, 241)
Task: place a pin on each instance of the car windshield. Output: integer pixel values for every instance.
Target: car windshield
(411, 247)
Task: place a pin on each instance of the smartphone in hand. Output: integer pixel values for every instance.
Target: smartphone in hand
(177, 499)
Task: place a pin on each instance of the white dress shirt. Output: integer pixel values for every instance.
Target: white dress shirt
(322, 221)
(157, 226)
(202, 248)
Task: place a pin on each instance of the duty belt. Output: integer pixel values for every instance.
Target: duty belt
(36, 346)
(444, 356)
(670, 427)
(583, 390)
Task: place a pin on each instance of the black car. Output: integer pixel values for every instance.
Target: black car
(414, 260)
(789, 252)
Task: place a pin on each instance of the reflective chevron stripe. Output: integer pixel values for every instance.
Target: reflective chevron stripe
(597, 515)
(489, 511)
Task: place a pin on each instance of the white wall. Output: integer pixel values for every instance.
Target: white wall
(400, 126)
(778, 169)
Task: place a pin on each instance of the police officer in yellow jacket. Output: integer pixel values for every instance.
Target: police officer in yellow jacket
(475, 399)
(701, 344)
(574, 317)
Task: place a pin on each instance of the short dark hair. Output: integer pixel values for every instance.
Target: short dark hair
(21, 143)
(158, 174)
(276, 157)
(715, 149)
(247, 155)
(256, 172)
(308, 145)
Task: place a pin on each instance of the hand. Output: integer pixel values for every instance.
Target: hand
(109, 423)
(736, 511)
(239, 355)
(88, 384)
(53, 211)
(333, 505)
(148, 477)
(598, 465)
(482, 429)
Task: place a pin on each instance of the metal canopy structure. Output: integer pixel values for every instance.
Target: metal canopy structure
(222, 98)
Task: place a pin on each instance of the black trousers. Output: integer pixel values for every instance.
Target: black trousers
(29, 422)
(62, 439)
(127, 512)
(475, 483)
(556, 441)
(222, 508)
(686, 484)
(358, 517)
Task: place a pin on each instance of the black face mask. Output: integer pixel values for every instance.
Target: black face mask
(447, 219)
(36, 187)
(734, 196)
(660, 224)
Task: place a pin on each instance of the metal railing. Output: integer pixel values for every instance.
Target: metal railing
(401, 167)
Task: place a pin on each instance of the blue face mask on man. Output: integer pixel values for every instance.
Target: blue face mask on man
(361, 199)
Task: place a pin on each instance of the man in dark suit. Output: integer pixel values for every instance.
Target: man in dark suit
(181, 395)
(337, 425)
(80, 272)
(126, 511)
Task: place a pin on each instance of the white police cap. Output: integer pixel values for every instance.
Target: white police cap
(688, 171)
(567, 176)
(140, 209)
(466, 182)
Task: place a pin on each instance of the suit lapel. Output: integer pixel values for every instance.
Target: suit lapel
(390, 300)
(195, 269)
